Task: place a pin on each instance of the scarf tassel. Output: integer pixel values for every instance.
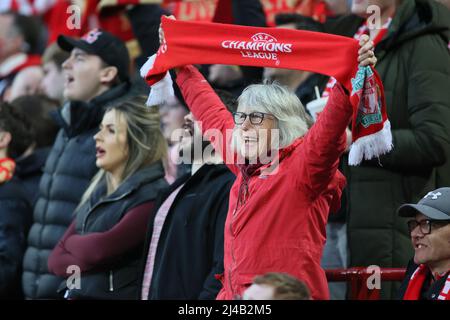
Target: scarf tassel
(370, 146)
(161, 92)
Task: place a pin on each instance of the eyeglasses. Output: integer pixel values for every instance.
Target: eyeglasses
(425, 225)
(255, 117)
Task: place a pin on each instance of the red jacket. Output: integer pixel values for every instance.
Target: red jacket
(280, 226)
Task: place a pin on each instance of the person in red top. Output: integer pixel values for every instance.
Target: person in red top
(287, 177)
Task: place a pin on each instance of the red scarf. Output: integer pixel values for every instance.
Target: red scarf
(336, 56)
(364, 29)
(7, 167)
(417, 281)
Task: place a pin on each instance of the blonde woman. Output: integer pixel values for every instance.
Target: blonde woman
(105, 239)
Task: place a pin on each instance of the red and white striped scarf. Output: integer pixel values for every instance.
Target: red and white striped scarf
(364, 29)
(417, 281)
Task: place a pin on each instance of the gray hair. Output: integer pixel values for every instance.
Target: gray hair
(283, 104)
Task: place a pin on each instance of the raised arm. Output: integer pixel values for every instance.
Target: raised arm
(326, 141)
(216, 122)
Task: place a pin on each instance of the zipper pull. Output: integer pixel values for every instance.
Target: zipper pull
(111, 281)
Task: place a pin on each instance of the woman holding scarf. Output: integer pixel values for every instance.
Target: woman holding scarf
(287, 178)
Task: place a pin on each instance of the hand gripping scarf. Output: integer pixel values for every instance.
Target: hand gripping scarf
(336, 56)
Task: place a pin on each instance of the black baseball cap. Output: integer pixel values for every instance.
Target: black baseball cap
(101, 43)
(435, 205)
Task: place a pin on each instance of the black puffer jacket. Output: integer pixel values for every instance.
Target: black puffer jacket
(15, 220)
(67, 173)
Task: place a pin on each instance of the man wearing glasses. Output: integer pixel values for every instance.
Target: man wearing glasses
(428, 275)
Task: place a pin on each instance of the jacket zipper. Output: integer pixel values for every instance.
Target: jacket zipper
(111, 281)
(83, 228)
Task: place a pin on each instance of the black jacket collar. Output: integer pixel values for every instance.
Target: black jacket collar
(206, 172)
(88, 115)
(33, 163)
(141, 177)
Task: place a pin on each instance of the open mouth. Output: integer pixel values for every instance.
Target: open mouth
(99, 152)
(69, 79)
(419, 246)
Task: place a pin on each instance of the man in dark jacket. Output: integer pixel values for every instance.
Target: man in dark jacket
(15, 207)
(96, 74)
(414, 65)
(184, 248)
(428, 274)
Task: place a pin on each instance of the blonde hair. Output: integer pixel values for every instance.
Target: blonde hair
(146, 143)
